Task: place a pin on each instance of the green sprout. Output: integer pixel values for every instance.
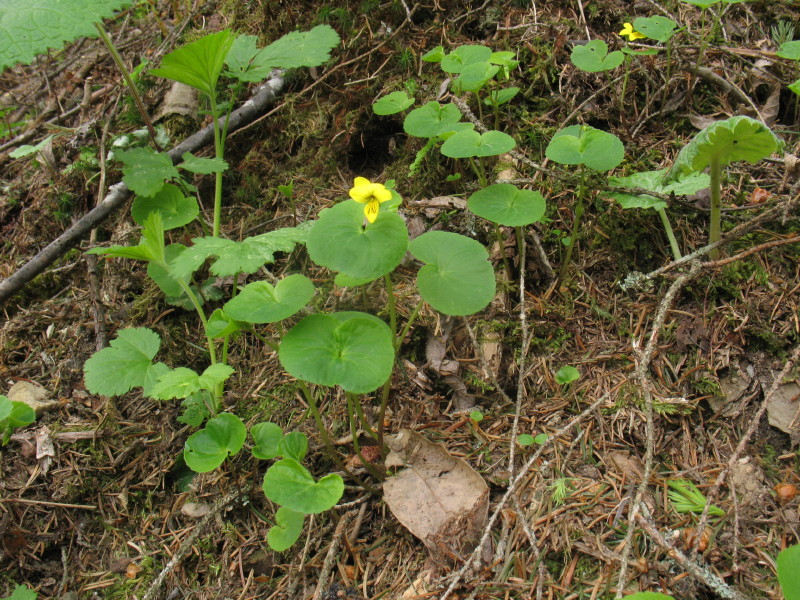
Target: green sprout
(687, 498)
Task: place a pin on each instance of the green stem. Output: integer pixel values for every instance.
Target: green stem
(323, 432)
(573, 237)
(673, 243)
(352, 409)
(392, 308)
(625, 81)
(501, 248)
(715, 228)
(478, 173)
(219, 152)
(112, 50)
(212, 351)
(264, 339)
(398, 341)
(707, 37)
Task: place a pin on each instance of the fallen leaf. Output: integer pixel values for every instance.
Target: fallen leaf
(783, 409)
(33, 395)
(195, 510)
(438, 497)
(758, 196)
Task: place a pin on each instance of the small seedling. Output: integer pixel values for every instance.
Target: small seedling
(686, 497)
(13, 415)
(567, 374)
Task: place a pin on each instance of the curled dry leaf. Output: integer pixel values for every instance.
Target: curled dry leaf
(438, 497)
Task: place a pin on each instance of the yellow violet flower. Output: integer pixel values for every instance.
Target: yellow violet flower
(371, 194)
(632, 34)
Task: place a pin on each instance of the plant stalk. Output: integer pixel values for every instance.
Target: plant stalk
(673, 243)
(715, 228)
(573, 236)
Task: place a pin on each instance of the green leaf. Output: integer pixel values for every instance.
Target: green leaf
(431, 120)
(474, 76)
(289, 484)
(436, 55)
(26, 149)
(654, 182)
(340, 241)
(13, 415)
(525, 439)
(498, 97)
(183, 382)
(240, 58)
(146, 170)
(31, 27)
(222, 436)
(506, 204)
(299, 49)
(788, 564)
(594, 57)
(150, 247)
(457, 278)
(23, 592)
(221, 325)
(639, 52)
(202, 166)
(567, 374)
(790, 50)
(163, 278)
(125, 364)
(260, 302)
(458, 59)
(267, 437)
(465, 144)
(702, 3)
(585, 145)
(293, 445)
(648, 596)
(343, 280)
(199, 63)
(733, 139)
(287, 529)
(247, 256)
(686, 497)
(176, 209)
(195, 409)
(795, 87)
(351, 350)
(392, 103)
(656, 27)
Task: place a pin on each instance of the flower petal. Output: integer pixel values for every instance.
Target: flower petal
(359, 181)
(382, 194)
(371, 210)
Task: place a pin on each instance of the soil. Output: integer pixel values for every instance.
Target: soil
(95, 501)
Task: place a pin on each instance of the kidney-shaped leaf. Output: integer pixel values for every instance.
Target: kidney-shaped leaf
(585, 145)
(351, 350)
(729, 140)
(458, 59)
(654, 181)
(260, 302)
(289, 484)
(199, 63)
(293, 445)
(288, 527)
(457, 278)
(656, 27)
(392, 103)
(506, 204)
(267, 436)
(594, 57)
(176, 209)
(788, 564)
(790, 50)
(222, 436)
(340, 241)
(431, 119)
(465, 144)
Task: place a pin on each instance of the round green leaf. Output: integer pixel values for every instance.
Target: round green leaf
(165, 280)
(790, 50)
(639, 52)
(506, 204)
(474, 76)
(649, 596)
(788, 564)
(656, 27)
(431, 119)
(221, 325)
(176, 209)
(343, 280)
(457, 278)
(465, 144)
(288, 527)
(267, 437)
(567, 374)
(585, 145)
(289, 484)
(392, 103)
(594, 57)
(458, 59)
(206, 449)
(498, 97)
(293, 445)
(351, 350)
(730, 140)
(795, 87)
(525, 439)
(340, 241)
(260, 302)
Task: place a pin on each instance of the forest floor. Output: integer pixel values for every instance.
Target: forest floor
(690, 376)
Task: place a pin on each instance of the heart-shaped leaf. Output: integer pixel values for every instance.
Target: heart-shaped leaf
(465, 144)
(788, 566)
(341, 241)
(222, 436)
(260, 302)
(790, 50)
(288, 527)
(392, 103)
(267, 437)
(656, 27)
(176, 209)
(654, 182)
(457, 278)
(203, 166)
(733, 139)
(506, 204)
(351, 350)
(289, 484)
(594, 57)
(474, 76)
(585, 145)
(498, 97)
(431, 119)
(199, 63)
(146, 170)
(221, 325)
(293, 445)
(183, 382)
(461, 57)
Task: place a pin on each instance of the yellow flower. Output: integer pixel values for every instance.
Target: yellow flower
(631, 33)
(371, 194)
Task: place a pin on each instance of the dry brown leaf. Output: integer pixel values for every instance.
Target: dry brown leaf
(33, 395)
(438, 497)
